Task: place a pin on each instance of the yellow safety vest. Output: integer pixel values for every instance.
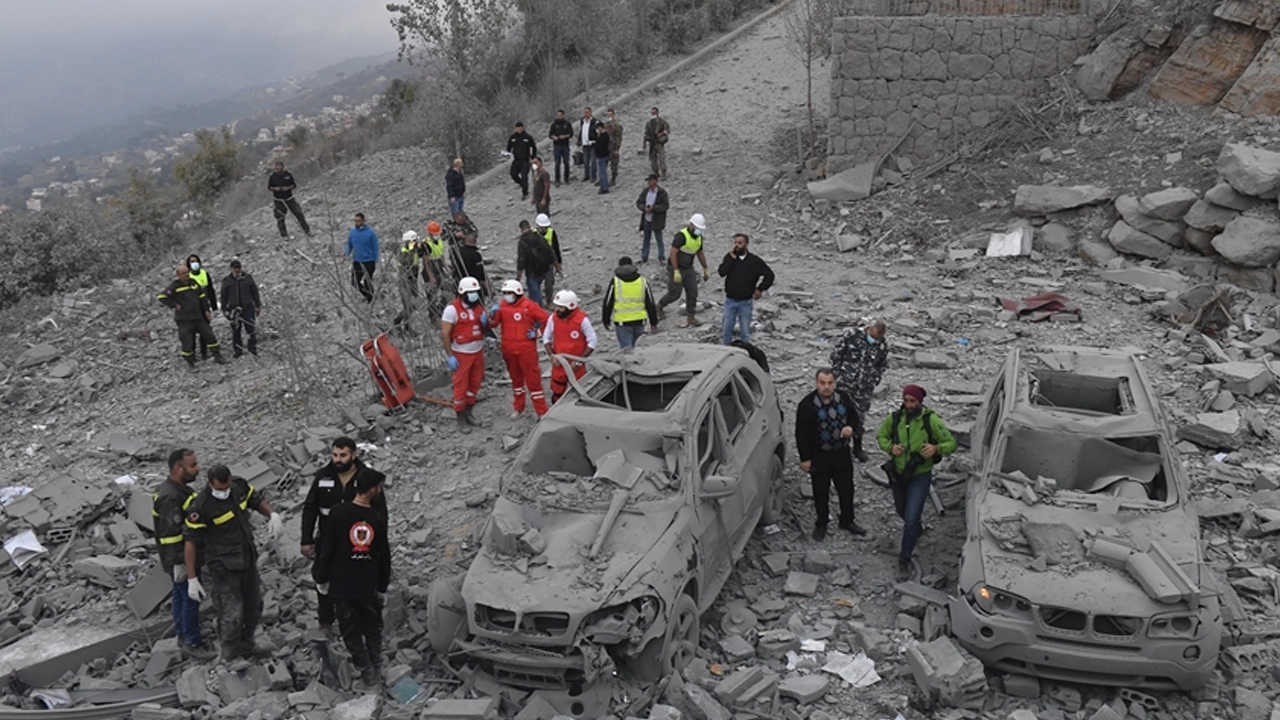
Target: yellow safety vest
(436, 246)
(549, 234)
(409, 252)
(628, 300)
(201, 278)
(692, 243)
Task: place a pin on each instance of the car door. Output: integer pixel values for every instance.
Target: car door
(750, 452)
(706, 451)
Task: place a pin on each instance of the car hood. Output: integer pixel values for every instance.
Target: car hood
(563, 578)
(1089, 586)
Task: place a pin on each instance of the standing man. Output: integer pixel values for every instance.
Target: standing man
(656, 132)
(462, 331)
(685, 246)
(825, 422)
(614, 129)
(746, 278)
(915, 438)
(628, 303)
(469, 263)
(588, 133)
(362, 248)
(455, 187)
(168, 504)
(355, 567)
(333, 485)
(541, 188)
(410, 259)
(523, 148)
(281, 185)
(535, 261)
(561, 134)
(860, 358)
(458, 229)
(552, 238)
(602, 148)
(241, 305)
(433, 265)
(652, 204)
(191, 313)
(568, 332)
(201, 277)
(219, 539)
(520, 320)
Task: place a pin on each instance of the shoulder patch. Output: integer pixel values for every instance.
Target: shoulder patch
(193, 517)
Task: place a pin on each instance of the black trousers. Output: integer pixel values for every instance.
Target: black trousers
(360, 622)
(325, 610)
(244, 320)
(520, 174)
(237, 601)
(362, 278)
(827, 469)
(282, 208)
(187, 332)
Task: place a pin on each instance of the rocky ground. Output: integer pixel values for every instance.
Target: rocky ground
(112, 397)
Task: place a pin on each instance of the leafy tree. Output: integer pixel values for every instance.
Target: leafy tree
(148, 213)
(398, 96)
(298, 136)
(211, 169)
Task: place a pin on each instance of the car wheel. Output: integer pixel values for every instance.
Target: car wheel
(775, 501)
(670, 653)
(446, 613)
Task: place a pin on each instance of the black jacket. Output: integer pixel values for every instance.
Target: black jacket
(240, 292)
(220, 529)
(628, 273)
(168, 508)
(593, 132)
(743, 276)
(455, 184)
(281, 179)
(327, 491)
(472, 264)
(532, 257)
(522, 146)
(808, 427)
(187, 299)
(355, 559)
(660, 206)
(561, 127)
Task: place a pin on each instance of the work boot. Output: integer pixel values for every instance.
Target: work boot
(819, 532)
(903, 573)
(469, 416)
(690, 321)
(463, 427)
(197, 651)
(217, 357)
(854, 528)
(250, 649)
(858, 452)
(191, 365)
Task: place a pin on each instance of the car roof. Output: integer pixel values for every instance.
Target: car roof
(1141, 415)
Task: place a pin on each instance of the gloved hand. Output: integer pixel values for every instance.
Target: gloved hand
(453, 363)
(179, 573)
(531, 334)
(493, 310)
(195, 590)
(322, 588)
(706, 274)
(275, 525)
(484, 318)
(677, 277)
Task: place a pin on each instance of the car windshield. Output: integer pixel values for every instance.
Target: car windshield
(576, 466)
(1119, 467)
(642, 393)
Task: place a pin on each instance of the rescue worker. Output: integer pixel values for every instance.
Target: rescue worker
(628, 303)
(916, 439)
(219, 541)
(168, 501)
(192, 314)
(433, 255)
(201, 277)
(685, 246)
(462, 331)
(354, 567)
(410, 261)
(520, 319)
(333, 485)
(568, 333)
(552, 238)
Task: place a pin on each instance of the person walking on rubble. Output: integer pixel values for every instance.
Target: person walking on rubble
(569, 333)
(334, 484)
(168, 504)
(202, 278)
(916, 439)
(219, 540)
(241, 304)
(354, 566)
(192, 313)
(628, 302)
(825, 421)
(519, 320)
(685, 246)
(860, 358)
(652, 204)
(455, 186)
(462, 331)
(613, 127)
(362, 248)
(281, 184)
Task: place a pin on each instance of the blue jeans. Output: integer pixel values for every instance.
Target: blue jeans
(602, 169)
(455, 205)
(629, 335)
(533, 287)
(736, 312)
(562, 155)
(588, 162)
(909, 498)
(186, 615)
(644, 249)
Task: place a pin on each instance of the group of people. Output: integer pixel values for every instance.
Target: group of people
(193, 300)
(206, 544)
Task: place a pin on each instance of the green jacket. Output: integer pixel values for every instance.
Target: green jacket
(911, 434)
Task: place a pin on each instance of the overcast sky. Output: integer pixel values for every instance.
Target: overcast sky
(80, 62)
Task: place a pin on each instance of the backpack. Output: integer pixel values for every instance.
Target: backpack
(541, 257)
(894, 423)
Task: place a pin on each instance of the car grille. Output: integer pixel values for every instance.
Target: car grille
(536, 624)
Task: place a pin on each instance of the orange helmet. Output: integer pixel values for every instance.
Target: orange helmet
(433, 228)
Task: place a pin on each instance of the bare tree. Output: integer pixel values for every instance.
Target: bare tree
(804, 36)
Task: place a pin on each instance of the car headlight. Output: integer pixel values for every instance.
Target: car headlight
(1174, 625)
(621, 623)
(998, 602)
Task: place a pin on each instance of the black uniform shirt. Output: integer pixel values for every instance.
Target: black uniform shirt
(220, 528)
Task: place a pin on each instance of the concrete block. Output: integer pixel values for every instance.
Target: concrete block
(935, 360)
(454, 709)
(364, 707)
(777, 563)
(804, 688)
(736, 649)
(105, 570)
(801, 583)
(150, 592)
(664, 712)
(247, 682)
(1242, 378)
(762, 689)
(1023, 686)
(191, 689)
(139, 508)
(279, 675)
(702, 705)
(818, 562)
(773, 644)
(731, 688)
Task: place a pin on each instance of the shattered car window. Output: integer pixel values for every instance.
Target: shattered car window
(1087, 393)
(1117, 467)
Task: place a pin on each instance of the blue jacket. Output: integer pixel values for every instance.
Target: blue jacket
(362, 244)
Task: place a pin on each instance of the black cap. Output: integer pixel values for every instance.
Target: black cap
(625, 260)
(651, 177)
(367, 481)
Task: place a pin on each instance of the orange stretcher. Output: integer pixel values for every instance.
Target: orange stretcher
(389, 373)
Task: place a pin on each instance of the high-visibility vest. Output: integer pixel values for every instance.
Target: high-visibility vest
(567, 336)
(467, 328)
(549, 234)
(201, 278)
(436, 247)
(628, 300)
(692, 243)
(409, 254)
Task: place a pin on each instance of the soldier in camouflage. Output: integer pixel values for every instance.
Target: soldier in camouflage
(860, 359)
(614, 128)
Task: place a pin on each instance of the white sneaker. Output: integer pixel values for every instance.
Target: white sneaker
(515, 415)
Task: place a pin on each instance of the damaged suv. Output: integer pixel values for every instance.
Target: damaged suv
(618, 525)
(1082, 561)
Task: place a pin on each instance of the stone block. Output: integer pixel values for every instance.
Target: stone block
(1225, 196)
(1099, 70)
(1200, 240)
(1168, 204)
(1057, 238)
(455, 709)
(1241, 378)
(1207, 63)
(702, 705)
(1208, 217)
(36, 355)
(1216, 431)
(1256, 279)
(1126, 239)
(1130, 211)
(804, 689)
(1095, 252)
(1034, 200)
(801, 583)
(736, 649)
(935, 360)
(1250, 241)
(818, 562)
(1250, 171)
(1256, 93)
(730, 689)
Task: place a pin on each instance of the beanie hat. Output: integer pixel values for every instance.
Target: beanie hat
(914, 391)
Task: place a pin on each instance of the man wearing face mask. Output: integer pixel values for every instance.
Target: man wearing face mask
(916, 439)
(200, 276)
(860, 358)
(462, 331)
(570, 333)
(518, 319)
(191, 313)
(333, 485)
(685, 246)
(168, 501)
(746, 278)
(656, 132)
(218, 539)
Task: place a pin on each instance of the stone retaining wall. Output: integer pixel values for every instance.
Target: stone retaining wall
(886, 8)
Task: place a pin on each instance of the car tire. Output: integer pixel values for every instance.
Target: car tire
(670, 653)
(775, 500)
(446, 614)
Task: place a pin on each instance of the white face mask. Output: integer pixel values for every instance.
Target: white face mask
(510, 298)
(653, 115)
(195, 267)
(697, 232)
(220, 494)
(473, 297)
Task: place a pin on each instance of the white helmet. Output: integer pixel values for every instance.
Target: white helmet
(566, 299)
(409, 236)
(698, 221)
(542, 220)
(513, 286)
(468, 284)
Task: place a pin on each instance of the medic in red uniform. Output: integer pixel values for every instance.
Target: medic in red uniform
(520, 320)
(462, 330)
(568, 332)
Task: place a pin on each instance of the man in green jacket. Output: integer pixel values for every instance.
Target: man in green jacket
(916, 438)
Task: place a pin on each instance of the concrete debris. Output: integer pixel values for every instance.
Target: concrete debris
(1216, 431)
(1034, 200)
(366, 707)
(36, 355)
(106, 570)
(1251, 242)
(848, 185)
(947, 674)
(801, 583)
(936, 360)
(192, 692)
(453, 709)
(1242, 378)
(154, 588)
(702, 704)
(804, 689)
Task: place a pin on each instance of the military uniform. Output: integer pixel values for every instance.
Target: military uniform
(614, 128)
(656, 132)
(227, 558)
(327, 491)
(191, 305)
(169, 501)
(859, 365)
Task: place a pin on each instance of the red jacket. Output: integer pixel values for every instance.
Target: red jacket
(568, 337)
(516, 320)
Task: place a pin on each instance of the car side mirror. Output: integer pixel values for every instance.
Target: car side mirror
(716, 487)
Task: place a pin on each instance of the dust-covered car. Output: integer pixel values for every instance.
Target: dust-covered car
(1082, 560)
(616, 528)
